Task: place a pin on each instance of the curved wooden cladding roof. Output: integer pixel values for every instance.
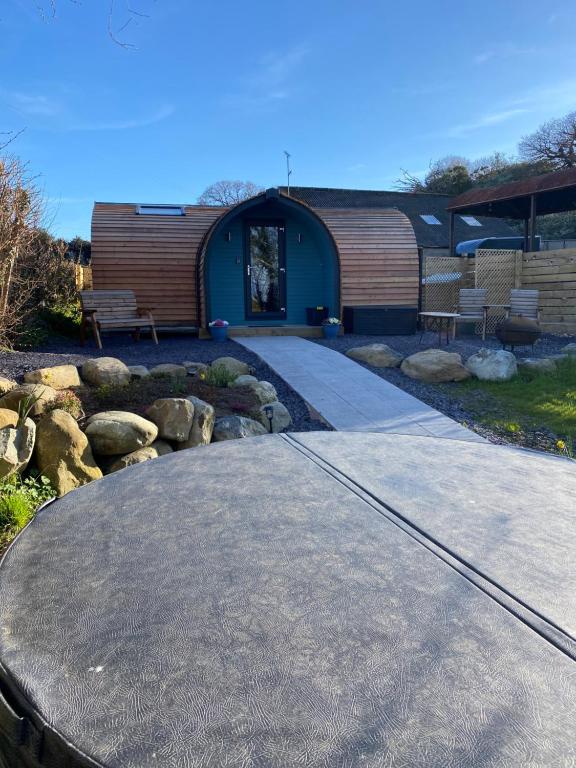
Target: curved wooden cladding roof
(161, 257)
(378, 255)
(153, 255)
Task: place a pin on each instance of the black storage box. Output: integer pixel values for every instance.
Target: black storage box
(380, 320)
(315, 315)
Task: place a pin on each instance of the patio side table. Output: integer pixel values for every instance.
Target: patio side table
(442, 322)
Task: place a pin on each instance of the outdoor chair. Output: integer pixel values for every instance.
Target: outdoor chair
(105, 310)
(472, 308)
(524, 303)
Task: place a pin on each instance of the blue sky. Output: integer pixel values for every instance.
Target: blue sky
(355, 90)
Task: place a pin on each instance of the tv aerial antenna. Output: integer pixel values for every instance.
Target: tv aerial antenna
(288, 170)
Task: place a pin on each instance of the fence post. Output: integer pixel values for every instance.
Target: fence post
(519, 255)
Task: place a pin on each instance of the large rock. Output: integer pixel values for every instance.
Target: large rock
(168, 371)
(6, 385)
(569, 349)
(40, 394)
(280, 417)
(233, 366)
(158, 448)
(173, 416)
(16, 446)
(264, 391)
(106, 371)
(377, 355)
(63, 453)
(8, 418)
(202, 425)
(435, 365)
(244, 380)
(113, 433)
(58, 377)
(538, 364)
(234, 427)
(138, 372)
(492, 365)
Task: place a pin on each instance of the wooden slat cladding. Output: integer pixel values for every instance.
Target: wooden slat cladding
(153, 255)
(157, 257)
(378, 255)
(553, 273)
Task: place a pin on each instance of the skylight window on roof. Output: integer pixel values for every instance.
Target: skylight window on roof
(471, 221)
(160, 210)
(429, 218)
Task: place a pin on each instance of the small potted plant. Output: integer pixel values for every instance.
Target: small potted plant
(331, 327)
(219, 329)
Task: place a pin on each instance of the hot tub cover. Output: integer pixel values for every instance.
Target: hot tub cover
(323, 599)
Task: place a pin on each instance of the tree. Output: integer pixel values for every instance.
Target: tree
(553, 143)
(228, 192)
(448, 176)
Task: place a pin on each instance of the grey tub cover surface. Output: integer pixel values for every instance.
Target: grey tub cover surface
(306, 600)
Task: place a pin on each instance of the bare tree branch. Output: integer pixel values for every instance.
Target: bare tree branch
(554, 143)
(228, 192)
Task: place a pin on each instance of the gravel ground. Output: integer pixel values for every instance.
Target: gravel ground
(438, 396)
(172, 349)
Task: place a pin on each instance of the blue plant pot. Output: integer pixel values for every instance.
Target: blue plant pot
(219, 332)
(330, 331)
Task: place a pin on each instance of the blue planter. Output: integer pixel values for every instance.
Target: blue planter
(219, 332)
(330, 331)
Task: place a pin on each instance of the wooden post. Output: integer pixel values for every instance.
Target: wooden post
(532, 222)
(526, 234)
(451, 234)
(518, 258)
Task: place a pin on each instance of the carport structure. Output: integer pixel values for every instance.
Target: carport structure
(524, 200)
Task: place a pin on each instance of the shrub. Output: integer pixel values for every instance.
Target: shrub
(68, 401)
(19, 501)
(218, 376)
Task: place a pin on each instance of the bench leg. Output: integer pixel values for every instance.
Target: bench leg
(83, 332)
(153, 331)
(96, 333)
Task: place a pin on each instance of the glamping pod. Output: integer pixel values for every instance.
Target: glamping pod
(258, 264)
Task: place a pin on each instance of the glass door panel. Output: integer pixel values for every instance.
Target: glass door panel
(265, 271)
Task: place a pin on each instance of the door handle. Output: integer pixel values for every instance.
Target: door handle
(282, 269)
(248, 269)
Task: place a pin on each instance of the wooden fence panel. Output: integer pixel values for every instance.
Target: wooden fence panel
(553, 273)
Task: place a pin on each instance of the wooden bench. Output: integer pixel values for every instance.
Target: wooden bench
(105, 310)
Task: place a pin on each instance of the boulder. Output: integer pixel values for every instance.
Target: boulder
(41, 394)
(158, 448)
(377, 355)
(106, 370)
(233, 367)
(435, 365)
(193, 369)
(202, 425)
(138, 372)
(539, 364)
(234, 427)
(569, 349)
(173, 416)
(281, 418)
(57, 377)
(6, 385)
(63, 453)
(492, 365)
(8, 418)
(16, 446)
(264, 391)
(168, 371)
(244, 380)
(114, 433)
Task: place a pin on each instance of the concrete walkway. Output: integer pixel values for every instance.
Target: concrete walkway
(348, 396)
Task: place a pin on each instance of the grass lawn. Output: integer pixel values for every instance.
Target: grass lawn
(535, 409)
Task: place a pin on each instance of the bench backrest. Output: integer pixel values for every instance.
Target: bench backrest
(471, 301)
(110, 305)
(524, 301)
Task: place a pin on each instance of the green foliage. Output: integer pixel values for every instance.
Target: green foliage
(64, 318)
(532, 400)
(19, 501)
(218, 376)
(68, 401)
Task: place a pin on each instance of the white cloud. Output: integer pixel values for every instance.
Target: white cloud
(505, 51)
(123, 125)
(486, 121)
(270, 81)
(31, 103)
